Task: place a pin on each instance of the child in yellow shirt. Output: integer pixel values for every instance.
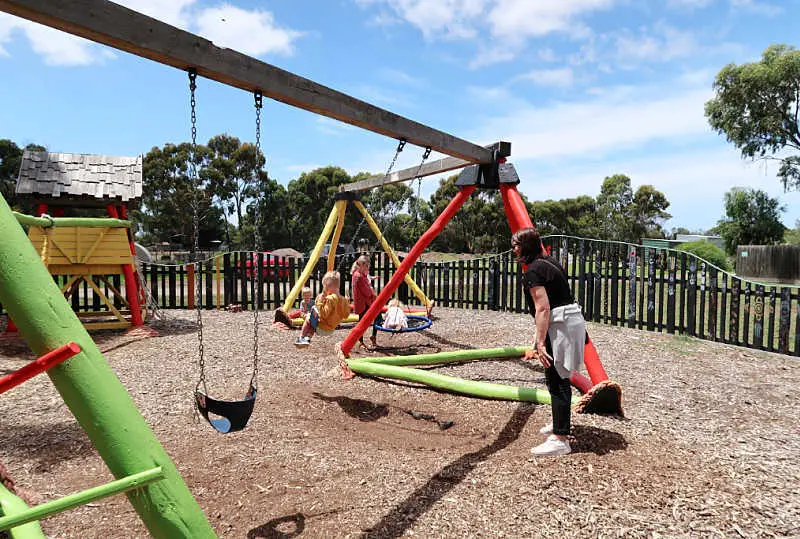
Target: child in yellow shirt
(332, 309)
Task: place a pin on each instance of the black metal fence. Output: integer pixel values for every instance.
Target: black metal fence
(616, 283)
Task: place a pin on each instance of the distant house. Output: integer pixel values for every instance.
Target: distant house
(79, 180)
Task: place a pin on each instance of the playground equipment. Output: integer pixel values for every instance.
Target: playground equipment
(92, 251)
(89, 387)
(92, 392)
(600, 394)
(232, 415)
(415, 323)
(333, 231)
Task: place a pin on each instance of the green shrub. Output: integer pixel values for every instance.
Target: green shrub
(707, 251)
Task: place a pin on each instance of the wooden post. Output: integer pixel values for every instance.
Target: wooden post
(190, 284)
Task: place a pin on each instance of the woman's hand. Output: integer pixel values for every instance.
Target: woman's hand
(544, 357)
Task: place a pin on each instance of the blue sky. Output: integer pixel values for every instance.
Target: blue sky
(581, 88)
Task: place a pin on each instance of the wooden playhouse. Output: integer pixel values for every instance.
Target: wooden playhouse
(95, 259)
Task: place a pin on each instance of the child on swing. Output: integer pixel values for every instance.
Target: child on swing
(308, 307)
(364, 295)
(395, 316)
(332, 309)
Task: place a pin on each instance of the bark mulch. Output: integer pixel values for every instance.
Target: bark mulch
(709, 446)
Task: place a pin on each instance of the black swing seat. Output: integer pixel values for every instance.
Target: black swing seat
(234, 415)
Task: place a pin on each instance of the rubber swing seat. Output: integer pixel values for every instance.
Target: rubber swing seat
(233, 415)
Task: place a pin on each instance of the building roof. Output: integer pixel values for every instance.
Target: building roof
(78, 176)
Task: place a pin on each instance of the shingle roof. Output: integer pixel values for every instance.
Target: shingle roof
(80, 175)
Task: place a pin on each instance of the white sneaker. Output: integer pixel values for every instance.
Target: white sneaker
(547, 429)
(552, 446)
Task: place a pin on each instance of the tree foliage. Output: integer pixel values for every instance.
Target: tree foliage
(707, 251)
(792, 235)
(169, 196)
(625, 215)
(756, 106)
(752, 218)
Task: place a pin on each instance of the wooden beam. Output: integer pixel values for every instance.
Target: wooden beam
(428, 169)
(127, 30)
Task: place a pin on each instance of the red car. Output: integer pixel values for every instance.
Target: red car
(272, 264)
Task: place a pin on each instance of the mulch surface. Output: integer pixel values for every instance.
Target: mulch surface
(709, 447)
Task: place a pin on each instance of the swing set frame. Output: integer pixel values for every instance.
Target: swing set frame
(86, 383)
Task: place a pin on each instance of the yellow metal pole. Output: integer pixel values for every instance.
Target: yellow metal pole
(337, 209)
(389, 251)
(337, 233)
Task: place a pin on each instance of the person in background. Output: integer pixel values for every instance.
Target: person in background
(363, 295)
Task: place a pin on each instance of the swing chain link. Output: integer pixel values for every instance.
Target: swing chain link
(258, 258)
(196, 230)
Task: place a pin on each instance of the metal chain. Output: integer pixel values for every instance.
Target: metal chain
(257, 238)
(198, 289)
(425, 156)
(400, 145)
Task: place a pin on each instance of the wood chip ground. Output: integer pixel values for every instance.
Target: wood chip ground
(710, 446)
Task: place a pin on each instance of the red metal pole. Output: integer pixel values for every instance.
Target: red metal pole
(518, 218)
(40, 365)
(131, 287)
(409, 261)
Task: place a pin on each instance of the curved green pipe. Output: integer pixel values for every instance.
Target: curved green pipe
(46, 222)
(447, 357)
(485, 390)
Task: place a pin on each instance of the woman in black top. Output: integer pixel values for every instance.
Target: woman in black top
(560, 333)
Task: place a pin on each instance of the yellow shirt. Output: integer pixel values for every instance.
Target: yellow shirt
(333, 308)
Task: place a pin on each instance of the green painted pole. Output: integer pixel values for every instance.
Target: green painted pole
(91, 390)
(96, 222)
(11, 504)
(486, 390)
(81, 498)
(447, 357)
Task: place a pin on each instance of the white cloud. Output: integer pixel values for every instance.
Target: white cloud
(56, 47)
(250, 32)
(551, 77)
(440, 18)
(331, 126)
(617, 119)
(661, 44)
(759, 8)
(401, 77)
(694, 182)
(540, 18)
(547, 55)
(492, 54)
(172, 12)
(689, 4)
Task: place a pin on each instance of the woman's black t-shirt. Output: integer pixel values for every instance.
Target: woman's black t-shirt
(547, 272)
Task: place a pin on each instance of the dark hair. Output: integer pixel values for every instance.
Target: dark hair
(530, 244)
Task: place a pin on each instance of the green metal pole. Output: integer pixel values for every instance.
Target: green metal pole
(90, 388)
(447, 357)
(96, 222)
(81, 498)
(484, 390)
(11, 504)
